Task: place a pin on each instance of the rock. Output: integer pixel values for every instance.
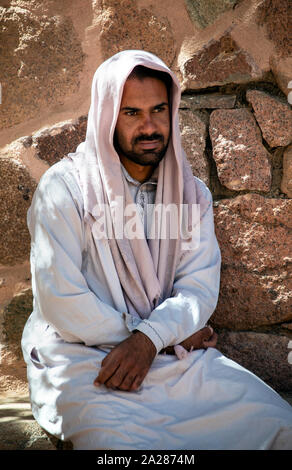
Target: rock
(15, 315)
(266, 355)
(208, 101)
(125, 26)
(254, 235)
(54, 143)
(16, 191)
(204, 13)
(286, 184)
(287, 325)
(219, 62)
(41, 58)
(274, 117)
(242, 161)
(276, 17)
(282, 70)
(193, 127)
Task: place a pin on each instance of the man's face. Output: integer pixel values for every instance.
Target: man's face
(143, 125)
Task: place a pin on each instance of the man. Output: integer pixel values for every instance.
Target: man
(113, 300)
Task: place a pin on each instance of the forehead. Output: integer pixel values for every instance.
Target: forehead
(148, 90)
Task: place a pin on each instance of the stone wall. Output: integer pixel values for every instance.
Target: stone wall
(233, 60)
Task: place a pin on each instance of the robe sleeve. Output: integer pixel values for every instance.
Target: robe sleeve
(61, 294)
(195, 291)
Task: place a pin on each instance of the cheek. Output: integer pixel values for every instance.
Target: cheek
(165, 127)
(163, 122)
(124, 139)
(124, 131)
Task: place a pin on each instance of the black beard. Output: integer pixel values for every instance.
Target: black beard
(146, 157)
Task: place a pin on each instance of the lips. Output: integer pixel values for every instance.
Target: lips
(148, 145)
(149, 142)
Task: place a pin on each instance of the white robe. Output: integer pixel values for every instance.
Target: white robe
(204, 401)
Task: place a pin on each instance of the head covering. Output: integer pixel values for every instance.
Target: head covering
(146, 269)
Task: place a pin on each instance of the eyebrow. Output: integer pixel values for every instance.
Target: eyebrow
(129, 108)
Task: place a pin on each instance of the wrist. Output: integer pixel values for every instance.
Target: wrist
(143, 337)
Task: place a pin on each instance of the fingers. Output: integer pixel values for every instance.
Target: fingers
(207, 332)
(131, 383)
(136, 384)
(109, 367)
(126, 366)
(211, 342)
(105, 374)
(120, 379)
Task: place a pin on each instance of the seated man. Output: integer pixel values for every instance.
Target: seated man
(116, 295)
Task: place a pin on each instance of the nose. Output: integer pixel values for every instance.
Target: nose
(148, 125)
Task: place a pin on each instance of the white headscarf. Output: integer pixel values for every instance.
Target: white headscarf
(146, 269)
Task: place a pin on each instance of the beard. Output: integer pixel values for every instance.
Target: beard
(144, 157)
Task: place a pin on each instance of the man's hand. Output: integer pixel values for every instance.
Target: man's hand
(126, 366)
(202, 339)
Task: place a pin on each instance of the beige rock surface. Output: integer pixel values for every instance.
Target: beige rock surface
(16, 190)
(274, 117)
(204, 13)
(242, 161)
(282, 70)
(275, 16)
(41, 58)
(15, 315)
(208, 101)
(193, 126)
(13, 279)
(219, 62)
(254, 235)
(264, 354)
(53, 143)
(124, 26)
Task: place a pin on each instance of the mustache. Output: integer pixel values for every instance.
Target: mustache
(145, 137)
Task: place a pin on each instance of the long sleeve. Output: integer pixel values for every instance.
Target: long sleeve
(61, 293)
(195, 291)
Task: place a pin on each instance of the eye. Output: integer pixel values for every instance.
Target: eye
(159, 109)
(131, 112)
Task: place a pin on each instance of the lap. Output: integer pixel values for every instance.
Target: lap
(204, 401)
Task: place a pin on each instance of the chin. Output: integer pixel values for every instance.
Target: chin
(146, 158)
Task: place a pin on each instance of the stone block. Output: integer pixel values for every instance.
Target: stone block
(125, 26)
(16, 191)
(208, 101)
(242, 161)
(282, 71)
(41, 58)
(15, 315)
(286, 183)
(254, 234)
(274, 117)
(264, 354)
(219, 62)
(203, 13)
(53, 143)
(193, 127)
(276, 17)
